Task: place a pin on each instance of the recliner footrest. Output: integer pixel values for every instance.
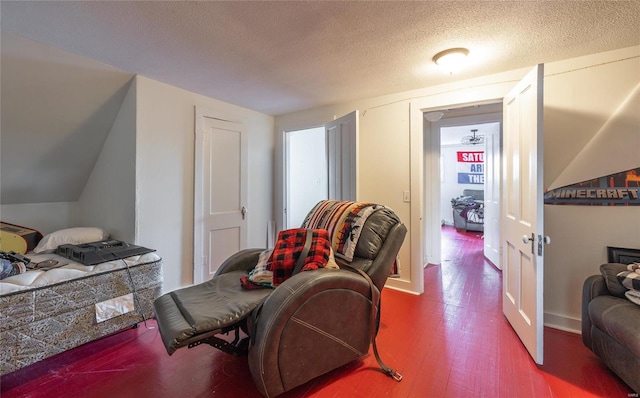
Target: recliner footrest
(238, 347)
(198, 312)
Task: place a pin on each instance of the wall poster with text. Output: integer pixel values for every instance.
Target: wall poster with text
(470, 167)
(619, 189)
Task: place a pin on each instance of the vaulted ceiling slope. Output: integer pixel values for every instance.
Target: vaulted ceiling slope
(57, 110)
(278, 57)
(66, 66)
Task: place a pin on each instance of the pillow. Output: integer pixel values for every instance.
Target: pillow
(633, 296)
(260, 274)
(630, 280)
(70, 236)
(610, 274)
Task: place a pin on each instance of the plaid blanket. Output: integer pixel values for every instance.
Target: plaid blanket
(343, 221)
(288, 248)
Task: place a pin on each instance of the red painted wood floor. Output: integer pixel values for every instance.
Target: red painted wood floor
(452, 341)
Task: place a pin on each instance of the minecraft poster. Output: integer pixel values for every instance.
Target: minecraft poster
(620, 189)
(470, 167)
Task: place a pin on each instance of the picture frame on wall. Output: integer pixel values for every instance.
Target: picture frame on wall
(622, 255)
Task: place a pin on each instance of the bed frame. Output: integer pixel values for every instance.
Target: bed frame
(37, 323)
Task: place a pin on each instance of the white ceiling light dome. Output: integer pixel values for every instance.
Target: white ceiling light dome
(433, 116)
(452, 59)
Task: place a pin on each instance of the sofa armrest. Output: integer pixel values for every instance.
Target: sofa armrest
(593, 286)
(459, 222)
(314, 322)
(244, 260)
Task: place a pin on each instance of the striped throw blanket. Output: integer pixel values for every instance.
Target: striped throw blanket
(343, 221)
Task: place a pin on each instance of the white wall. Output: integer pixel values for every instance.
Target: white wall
(580, 96)
(44, 217)
(383, 155)
(580, 105)
(391, 153)
(108, 198)
(165, 172)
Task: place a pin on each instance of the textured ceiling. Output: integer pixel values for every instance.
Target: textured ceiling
(66, 65)
(279, 57)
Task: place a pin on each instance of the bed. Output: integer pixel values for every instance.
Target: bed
(44, 312)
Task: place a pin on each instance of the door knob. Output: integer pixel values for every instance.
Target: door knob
(542, 240)
(243, 211)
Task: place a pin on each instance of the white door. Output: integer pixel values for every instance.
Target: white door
(523, 266)
(342, 156)
(220, 193)
(492, 183)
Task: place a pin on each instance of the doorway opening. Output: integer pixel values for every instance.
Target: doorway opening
(306, 177)
(463, 185)
(521, 200)
(319, 163)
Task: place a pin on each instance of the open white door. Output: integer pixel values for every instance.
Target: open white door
(342, 154)
(523, 265)
(492, 186)
(220, 193)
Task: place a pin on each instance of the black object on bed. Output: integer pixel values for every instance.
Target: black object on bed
(101, 251)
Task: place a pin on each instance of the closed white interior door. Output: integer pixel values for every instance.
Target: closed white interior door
(220, 194)
(523, 212)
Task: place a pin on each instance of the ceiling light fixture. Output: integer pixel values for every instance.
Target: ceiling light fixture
(433, 116)
(451, 60)
(473, 139)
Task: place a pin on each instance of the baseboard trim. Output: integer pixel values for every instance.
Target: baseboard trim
(562, 322)
(388, 286)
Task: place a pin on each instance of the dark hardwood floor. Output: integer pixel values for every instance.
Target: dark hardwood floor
(452, 341)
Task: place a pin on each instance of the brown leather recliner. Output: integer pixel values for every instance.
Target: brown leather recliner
(311, 324)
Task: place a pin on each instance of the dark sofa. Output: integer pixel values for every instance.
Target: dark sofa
(611, 324)
(468, 210)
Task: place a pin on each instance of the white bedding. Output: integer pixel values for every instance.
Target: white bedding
(33, 279)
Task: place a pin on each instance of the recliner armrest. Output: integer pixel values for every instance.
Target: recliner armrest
(312, 323)
(244, 260)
